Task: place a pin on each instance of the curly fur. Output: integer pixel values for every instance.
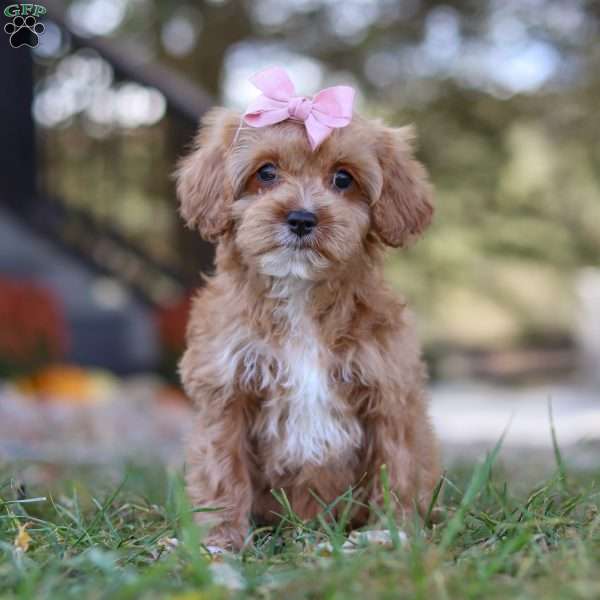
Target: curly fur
(303, 365)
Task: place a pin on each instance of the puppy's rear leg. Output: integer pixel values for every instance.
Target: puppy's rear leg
(408, 449)
(218, 478)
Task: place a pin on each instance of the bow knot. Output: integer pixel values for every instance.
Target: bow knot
(299, 108)
(329, 109)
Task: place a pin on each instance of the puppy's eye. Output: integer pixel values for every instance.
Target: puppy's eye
(267, 173)
(342, 180)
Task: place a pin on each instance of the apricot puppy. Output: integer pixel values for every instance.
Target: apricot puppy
(303, 365)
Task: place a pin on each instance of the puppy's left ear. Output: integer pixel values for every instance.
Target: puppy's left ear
(405, 207)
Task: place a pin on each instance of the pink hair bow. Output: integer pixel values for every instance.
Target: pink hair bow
(329, 109)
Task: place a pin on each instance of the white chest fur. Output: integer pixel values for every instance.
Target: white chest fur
(301, 420)
(303, 417)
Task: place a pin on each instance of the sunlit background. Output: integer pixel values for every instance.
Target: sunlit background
(504, 95)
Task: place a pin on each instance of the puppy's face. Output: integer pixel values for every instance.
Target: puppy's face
(295, 212)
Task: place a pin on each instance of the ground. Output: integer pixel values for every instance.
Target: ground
(109, 532)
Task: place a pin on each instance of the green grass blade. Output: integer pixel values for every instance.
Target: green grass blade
(560, 463)
(480, 477)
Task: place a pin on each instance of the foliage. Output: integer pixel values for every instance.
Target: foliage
(503, 95)
(32, 328)
(91, 537)
(517, 217)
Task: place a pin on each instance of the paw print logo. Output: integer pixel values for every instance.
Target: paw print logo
(24, 31)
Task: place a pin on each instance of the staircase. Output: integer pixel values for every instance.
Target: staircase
(108, 326)
(108, 285)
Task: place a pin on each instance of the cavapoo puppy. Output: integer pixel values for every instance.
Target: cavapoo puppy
(303, 365)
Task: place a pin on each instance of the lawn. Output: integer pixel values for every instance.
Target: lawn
(108, 533)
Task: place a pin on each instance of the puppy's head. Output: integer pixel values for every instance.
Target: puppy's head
(294, 212)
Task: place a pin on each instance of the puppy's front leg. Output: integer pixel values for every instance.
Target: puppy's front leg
(217, 475)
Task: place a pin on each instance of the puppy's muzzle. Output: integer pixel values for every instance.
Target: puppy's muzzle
(301, 222)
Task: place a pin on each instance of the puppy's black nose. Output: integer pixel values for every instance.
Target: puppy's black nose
(301, 222)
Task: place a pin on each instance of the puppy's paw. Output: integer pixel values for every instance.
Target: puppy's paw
(224, 539)
(216, 551)
(373, 537)
(358, 540)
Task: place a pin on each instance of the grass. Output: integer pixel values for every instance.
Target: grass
(101, 534)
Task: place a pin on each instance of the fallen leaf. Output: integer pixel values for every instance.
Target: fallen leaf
(22, 539)
(168, 543)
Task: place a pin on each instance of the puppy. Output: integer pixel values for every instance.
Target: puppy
(303, 365)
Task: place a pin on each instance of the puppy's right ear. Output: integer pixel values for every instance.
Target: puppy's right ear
(203, 188)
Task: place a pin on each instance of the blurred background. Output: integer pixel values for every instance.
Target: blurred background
(96, 269)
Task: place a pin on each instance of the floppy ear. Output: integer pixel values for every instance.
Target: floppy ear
(203, 188)
(405, 206)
